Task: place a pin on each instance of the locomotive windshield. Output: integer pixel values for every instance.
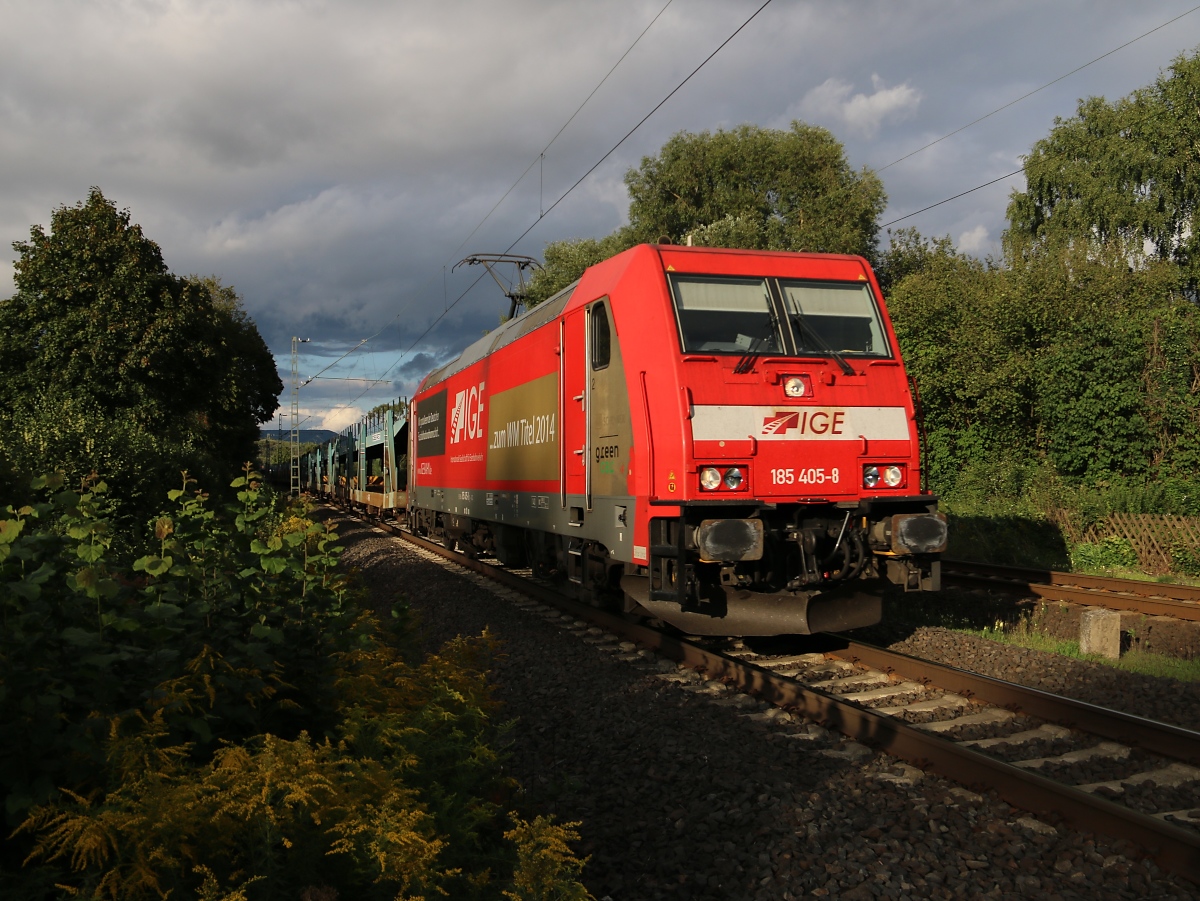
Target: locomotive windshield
(836, 317)
(725, 315)
(752, 316)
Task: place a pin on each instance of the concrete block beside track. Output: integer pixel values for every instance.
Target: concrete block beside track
(1100, 632)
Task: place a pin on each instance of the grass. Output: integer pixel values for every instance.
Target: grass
(1024, 637)
(1010, 621)
(1136, 575)
(1026, 634)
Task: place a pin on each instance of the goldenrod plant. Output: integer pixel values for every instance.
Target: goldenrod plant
(220, 718)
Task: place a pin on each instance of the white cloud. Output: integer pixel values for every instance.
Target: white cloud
(974, 241)
(327, 217)
(340, 417)
(863, 114)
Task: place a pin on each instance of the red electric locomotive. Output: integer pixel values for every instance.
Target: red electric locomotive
(726, 437)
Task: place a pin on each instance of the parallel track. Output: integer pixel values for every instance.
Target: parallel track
(1174, 847)
(1151, 598)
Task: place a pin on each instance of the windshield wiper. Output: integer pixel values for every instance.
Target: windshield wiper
(746, 363)
(802, 326)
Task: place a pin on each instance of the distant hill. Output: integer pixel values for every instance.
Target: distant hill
(307, 436)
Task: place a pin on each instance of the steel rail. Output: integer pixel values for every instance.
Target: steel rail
(1152, 598)
(1167, 590)
(1173, 847)
(1150, 735)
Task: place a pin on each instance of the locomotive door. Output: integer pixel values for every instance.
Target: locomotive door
(610, 438)
(574, 443)
(595, 431)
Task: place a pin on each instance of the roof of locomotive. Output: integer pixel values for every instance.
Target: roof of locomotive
(764, 262)
(508, 332)
(521, 325)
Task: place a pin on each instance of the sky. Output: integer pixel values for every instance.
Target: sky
(333, 159)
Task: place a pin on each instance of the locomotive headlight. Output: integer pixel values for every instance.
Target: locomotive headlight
(733, 478)
(710, 478)
(793, 386)
(870, 476)
(892, 476)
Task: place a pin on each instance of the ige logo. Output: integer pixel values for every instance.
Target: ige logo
(467, 419)
(780, 422)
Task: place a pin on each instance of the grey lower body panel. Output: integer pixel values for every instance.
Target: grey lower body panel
(610, 522)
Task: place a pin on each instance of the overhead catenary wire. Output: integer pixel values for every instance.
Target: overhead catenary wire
(571, 189)
(955, 197)
(537, 160)
(320, 373)
(415, 342)
(993, 181)
(640, 123)
(1030, 94)
(906, 156)
(540, 159)
(1006, 106)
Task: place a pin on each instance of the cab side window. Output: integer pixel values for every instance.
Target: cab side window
(601, 337)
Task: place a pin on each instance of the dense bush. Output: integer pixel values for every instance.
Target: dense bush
(1008, 539)
(219, 718)
(1066, 375)
(1186, 560)
(1112, 553)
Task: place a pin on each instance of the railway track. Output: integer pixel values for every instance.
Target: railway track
(1151, 598)
(983, 733)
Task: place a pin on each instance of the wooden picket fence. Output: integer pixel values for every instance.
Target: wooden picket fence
(1152, 535)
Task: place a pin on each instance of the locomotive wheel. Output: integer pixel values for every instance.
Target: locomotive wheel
(540, 556)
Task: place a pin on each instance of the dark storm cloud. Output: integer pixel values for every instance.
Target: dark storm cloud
(415, 367)
(329, 159)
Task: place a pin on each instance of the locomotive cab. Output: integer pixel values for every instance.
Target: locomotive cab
(799, 495)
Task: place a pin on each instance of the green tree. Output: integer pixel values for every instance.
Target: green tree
(1080, 350)
(909, 252)
(1107, 236)
(380, 409)
(566, 260)
(1114, 349)
(964, 338)
(755, 188)
(1123, 175)
(245, 386)
(110, 362)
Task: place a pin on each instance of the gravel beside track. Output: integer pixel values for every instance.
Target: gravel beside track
(1167, 700)
(687, 790)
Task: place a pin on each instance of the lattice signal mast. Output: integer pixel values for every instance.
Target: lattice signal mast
(295, 436)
